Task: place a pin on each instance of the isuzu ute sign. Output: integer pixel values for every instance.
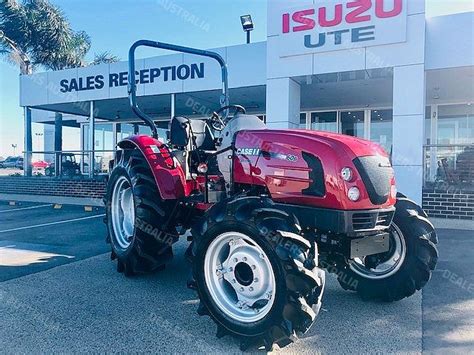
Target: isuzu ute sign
(335, 25)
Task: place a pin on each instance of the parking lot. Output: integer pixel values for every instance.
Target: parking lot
(59, 292)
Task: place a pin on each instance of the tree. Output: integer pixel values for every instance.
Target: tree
(37, 33)
(104, 58)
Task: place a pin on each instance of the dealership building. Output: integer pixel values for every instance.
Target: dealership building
(384, 72)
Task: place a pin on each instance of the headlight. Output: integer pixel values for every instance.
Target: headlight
(353, 194)
(347, 174)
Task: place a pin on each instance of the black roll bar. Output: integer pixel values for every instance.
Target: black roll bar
(132, 85)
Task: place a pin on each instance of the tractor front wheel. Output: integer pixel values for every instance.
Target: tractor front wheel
(256, 276)
(135, 216)
(402, 270)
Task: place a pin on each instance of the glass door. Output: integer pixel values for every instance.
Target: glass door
(381, 128)
(324, 121)
(352, 123)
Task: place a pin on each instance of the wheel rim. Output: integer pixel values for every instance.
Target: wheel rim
(123, 212)
(239, 277)
(388, 264)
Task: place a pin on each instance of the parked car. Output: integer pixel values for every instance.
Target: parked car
(19, 163)
(12, 162)
(40, 164)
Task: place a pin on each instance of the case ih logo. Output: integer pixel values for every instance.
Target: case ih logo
(343, 25)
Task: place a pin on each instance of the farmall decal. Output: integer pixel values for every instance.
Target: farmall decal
(335, 25)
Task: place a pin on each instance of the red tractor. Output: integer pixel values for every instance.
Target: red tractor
(266, 212)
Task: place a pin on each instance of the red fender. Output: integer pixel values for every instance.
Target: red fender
(169, 176)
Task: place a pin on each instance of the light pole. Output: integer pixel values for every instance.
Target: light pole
(247, 25)
(14, 149)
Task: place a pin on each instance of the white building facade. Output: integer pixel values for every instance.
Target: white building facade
(382, 72)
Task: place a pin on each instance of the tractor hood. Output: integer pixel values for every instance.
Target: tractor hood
(304, 167)
(357, 146)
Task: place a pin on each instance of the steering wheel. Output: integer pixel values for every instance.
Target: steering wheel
(216, 121)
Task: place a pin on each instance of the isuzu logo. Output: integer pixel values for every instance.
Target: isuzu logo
(346, 24)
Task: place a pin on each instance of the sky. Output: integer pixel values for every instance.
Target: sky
(114, 25)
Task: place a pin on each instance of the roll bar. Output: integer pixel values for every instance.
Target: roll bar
(132, 85)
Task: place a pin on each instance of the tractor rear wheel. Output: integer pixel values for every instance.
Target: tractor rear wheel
(405, 268)
(256, 276)
(135, 216)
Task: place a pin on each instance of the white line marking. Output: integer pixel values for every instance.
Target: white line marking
(25, 208)
(52, 223)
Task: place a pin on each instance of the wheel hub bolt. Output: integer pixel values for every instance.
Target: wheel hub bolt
(250, 288)
(235, 260)
(241, 289)
(255, 280)
(244, 258)
(254, 267)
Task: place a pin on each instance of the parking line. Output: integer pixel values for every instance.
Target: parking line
(25, 208)
(52, 223)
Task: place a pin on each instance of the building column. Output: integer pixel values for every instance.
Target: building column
(433, 141)
(283, 103)
(27, 168)
(408, 129)
(48, 142)
(58, 141)
(173, 105)
(91, 139)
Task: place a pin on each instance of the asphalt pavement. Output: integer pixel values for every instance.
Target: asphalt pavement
(59, 292)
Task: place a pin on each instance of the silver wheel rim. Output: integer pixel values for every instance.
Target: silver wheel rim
(123, 212)
(239, 277)
(392, 262)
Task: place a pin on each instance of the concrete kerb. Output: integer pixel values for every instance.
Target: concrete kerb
(59, 200)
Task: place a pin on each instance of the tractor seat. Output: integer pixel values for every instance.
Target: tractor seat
(183, 129)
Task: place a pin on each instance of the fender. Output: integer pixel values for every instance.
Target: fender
(169, 176)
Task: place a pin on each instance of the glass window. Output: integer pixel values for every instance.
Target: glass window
(124, 130)
(104, 137)
(381, 128)
(302, 120)
(352, 123)
(162, 127)
(324, 121)
(456, 124)
(428, 125)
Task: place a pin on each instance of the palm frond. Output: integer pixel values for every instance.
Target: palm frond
(104, 58)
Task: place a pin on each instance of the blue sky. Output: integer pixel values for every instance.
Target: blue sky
(115, 24)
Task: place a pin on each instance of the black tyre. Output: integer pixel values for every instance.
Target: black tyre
(136, 216)
(405, 268)
(256, 276)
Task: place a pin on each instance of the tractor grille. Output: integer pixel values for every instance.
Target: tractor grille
(377, 174)
(371, 220)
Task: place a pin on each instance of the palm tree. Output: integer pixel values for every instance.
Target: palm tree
(104, 58)
(37, 33)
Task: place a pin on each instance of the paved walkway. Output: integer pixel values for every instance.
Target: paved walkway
(61, 293)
